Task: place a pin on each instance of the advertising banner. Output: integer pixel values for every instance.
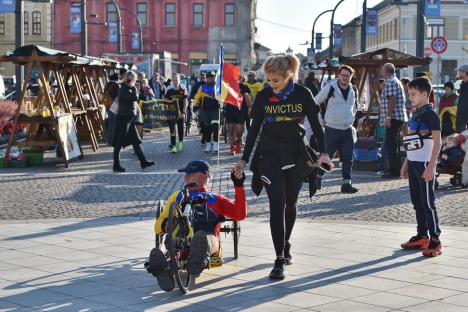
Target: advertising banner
(135, 40)
(7, 6)
(158, 113)
(112, 32)
(337, 38)
(372, 23)
(75, 19)
(318, 41)
(432, 8)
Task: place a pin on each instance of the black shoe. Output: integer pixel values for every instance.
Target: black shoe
(278, 272)
(198, 257)
(117, 168)
(157, 262)
(146, 164)
(348, 188)
(166, 280)
(319, 183)
(287, 254)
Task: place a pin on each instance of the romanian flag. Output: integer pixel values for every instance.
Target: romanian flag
(227, 82)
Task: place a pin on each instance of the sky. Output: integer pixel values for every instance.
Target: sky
(299, 16)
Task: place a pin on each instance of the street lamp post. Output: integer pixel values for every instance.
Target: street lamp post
(19, 42)
(139, 27)
(364, 26)
(84, 29)
(312, 43)
(330, 48)
(119, 27)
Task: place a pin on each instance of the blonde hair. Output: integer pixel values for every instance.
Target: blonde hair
(130, 75)
(286, 66)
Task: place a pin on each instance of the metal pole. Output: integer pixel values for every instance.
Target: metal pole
(312, 43)
(119, 27)
(19, 42)
(330, 48)
(139, 27)
(420, 29)
(84, 29)
(364, 27)
(438, 81)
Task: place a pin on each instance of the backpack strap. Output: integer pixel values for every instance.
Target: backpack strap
(323, 106)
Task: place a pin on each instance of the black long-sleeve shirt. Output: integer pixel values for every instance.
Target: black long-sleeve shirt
(282, 119)
(127, 97)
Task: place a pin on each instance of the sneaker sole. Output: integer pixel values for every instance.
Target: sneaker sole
(166, 281)
(196, 260)
(432, 254)
(414, 247)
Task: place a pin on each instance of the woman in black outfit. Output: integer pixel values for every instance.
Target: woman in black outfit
(278, 113)
(125, 129)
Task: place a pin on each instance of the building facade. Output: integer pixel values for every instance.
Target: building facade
(191, 30)
(397, 30)
(37, 30)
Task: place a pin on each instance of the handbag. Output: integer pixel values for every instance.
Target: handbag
(307, 161)
(414, 142)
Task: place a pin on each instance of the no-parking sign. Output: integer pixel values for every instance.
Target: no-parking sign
(439, 45)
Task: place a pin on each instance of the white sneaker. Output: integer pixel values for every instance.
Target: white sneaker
(214, 148)
(209, 147)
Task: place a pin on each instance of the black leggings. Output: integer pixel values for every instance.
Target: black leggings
(283, 187)
(211, 131)
(180, 130)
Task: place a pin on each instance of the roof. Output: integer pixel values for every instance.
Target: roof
(385, 55)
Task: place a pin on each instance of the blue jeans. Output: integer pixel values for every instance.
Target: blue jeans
(341, 140)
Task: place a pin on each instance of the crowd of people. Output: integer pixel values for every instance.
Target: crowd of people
(274, 114)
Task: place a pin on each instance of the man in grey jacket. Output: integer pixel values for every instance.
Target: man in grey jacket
(338, 101)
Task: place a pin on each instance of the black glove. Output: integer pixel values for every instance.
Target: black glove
(236, 181)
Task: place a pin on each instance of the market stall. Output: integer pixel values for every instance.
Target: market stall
(48, 115)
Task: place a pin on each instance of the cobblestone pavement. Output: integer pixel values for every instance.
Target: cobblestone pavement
(89, 188)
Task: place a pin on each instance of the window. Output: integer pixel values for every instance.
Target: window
(434, 31)
(142, 9)
(111, 13)
(197, 14)
(2, 23)
(26, 23)
(36, 23)
(170, 14)
(229, 14)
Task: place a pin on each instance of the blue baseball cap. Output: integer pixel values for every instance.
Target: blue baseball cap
(196, 166)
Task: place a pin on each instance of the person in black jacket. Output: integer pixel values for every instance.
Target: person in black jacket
(125, 129)
(277, 116)
(462, 112)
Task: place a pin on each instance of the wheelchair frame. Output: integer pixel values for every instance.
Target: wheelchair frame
(182, 277)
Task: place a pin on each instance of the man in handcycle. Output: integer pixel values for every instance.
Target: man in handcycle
(206, 223)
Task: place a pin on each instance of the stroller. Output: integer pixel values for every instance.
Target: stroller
(451, 160)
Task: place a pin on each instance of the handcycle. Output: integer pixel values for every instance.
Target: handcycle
(177, 243)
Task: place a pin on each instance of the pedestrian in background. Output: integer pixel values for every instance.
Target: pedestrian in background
(125, 129)
(340, 99)
(462, 110)
(277, 116)
(393, 117)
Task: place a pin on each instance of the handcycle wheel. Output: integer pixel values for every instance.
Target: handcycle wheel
(159, 237)
(178, 248)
